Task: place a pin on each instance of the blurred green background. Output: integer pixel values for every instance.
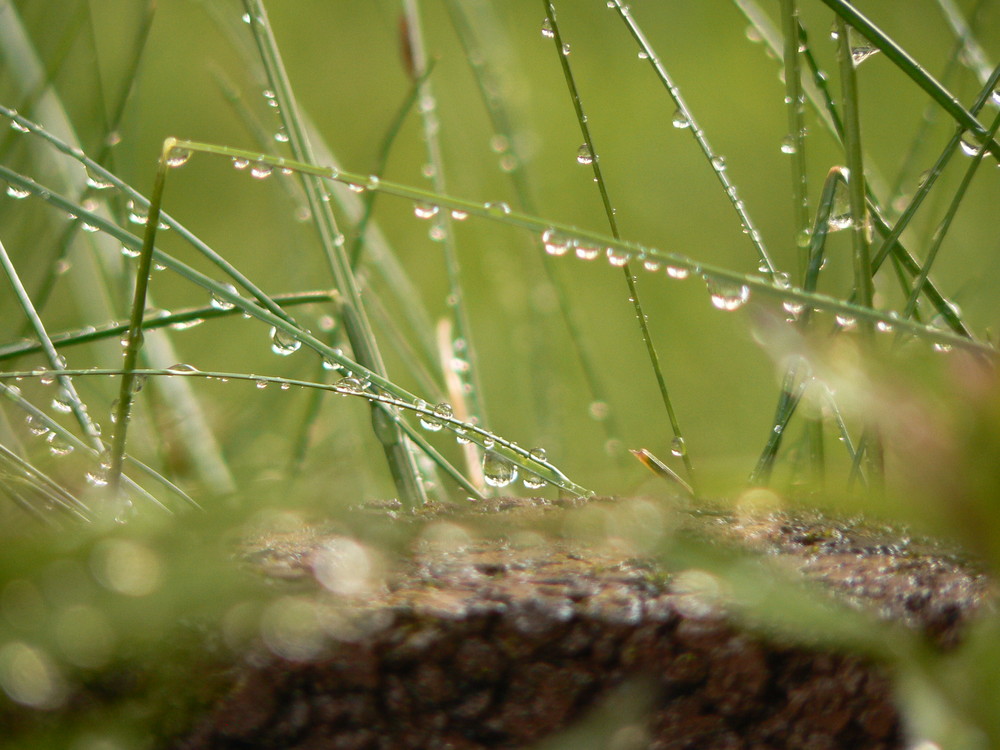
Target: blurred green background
(345, 65)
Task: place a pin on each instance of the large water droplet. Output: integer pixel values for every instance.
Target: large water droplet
(728, 296)
(459, 215)
(584, 155)
(137, 213)
(17, 193)
(547, 31)
(260, 170)
(788, 145)
(178, 156)
(846, 322)
(555, 243)
(587, 252)
(283, 343)
(220, 303)
(968, 147)
(498, 471)
(680, 120)
(350, 384)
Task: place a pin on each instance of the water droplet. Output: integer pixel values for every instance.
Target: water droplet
(968, 147)
(62, 404)
(793, 308)
(861, 53)
(838, 222)
(727, 296)
(183, 325)
(753, 34)
(178, 156)
(566, 49)
(788, 145)
(138, 382)
(245, 18)
(718, 162)
(884, 326)
(96, 181)
(846, 322)
(555, 243)
(497, 209)
(587, 252)
(680, 120)
(677, 272)
(547, 31)
(425, 210)
(283, 343)
(498, 471)
(617, 257)
(350, 384)
(533, 482)
(643, 55)
(60, 448)
(678, 447)
(240, 163)
(97, 478)
(15, 125)
(652, 264)
(137, 214)
(260, 384)
(130, 252)
(499, 143)
(182, 368)
(88, 227)
(281, 136)
(260, 170)
(219, 303)
(17, 193)
(459, 215)
(584, 154)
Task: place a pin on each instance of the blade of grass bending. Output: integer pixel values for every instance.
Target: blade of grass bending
(117, 330)
(134, 336)
(457, 307)
(491, 213)
(68, 390)
(490, 91)
(764, 258)
(401, 461)
(595, 164)
(856, 194)
(509, 450)
(848, 14)
(52, 491)
(43, 419)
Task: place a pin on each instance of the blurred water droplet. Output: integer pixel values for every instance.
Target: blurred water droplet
(598, 410)
(184, 325)
(137, 213)
(533, 481)
(753, 34)
(500, 208)
(677, 272)
(130, 252)
(547, 31)
(425, 210)
(846, 322)
(587, 252)
(678, 447)
(283, 343)
(727, 296)
(281, 136)
(968, 147)
(62, 404)
(17, 193)
(260, 384)
(788, 145)
(680, 120)
(884, 326)
(643, 55)
(566, 49)
(240, 163)
(584, 154)
(718, 162)
(260, 170)
(498, 471)
(15, 125)
(617, 257)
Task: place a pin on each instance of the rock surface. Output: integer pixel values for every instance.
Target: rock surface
(499, 635)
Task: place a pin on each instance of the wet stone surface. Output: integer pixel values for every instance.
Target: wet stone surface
(478, 642)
